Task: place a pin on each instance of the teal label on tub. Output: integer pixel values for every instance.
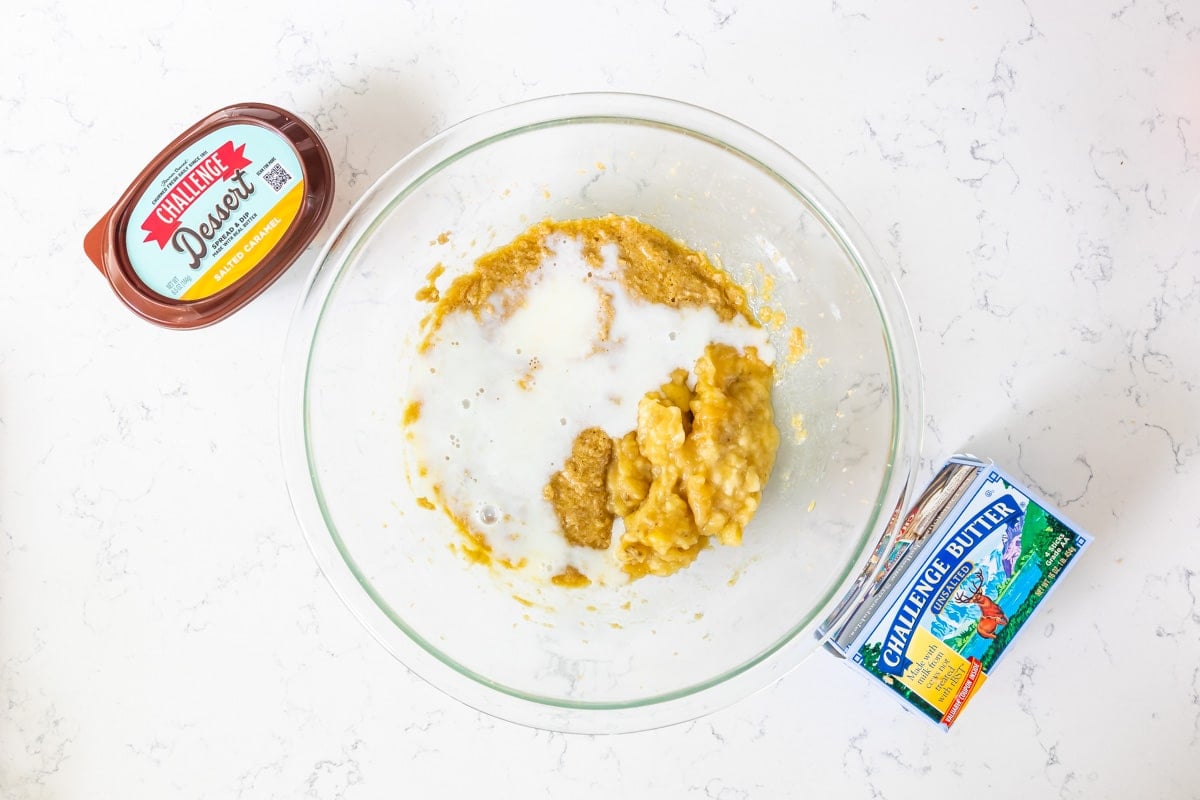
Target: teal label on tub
(212, 215)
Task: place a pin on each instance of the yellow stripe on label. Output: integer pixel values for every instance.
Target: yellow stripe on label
(937, 671)
(248, 251)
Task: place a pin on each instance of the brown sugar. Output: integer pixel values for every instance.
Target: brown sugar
(578, 491)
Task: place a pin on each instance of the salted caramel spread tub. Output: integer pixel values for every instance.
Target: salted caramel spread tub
(216, 217)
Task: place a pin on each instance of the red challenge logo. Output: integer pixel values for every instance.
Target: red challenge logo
(220, 165)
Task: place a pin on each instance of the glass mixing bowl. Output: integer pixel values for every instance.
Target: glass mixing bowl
(659, 650)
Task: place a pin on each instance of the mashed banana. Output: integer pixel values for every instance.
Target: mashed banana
(703, 456)
(696, 465)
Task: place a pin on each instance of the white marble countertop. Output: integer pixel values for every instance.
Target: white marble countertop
(1030, 169)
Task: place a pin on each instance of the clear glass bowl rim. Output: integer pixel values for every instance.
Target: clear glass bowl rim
(356, 227)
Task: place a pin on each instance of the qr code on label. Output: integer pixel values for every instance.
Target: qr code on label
(277, 177)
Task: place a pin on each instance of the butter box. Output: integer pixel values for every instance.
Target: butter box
(972, 561)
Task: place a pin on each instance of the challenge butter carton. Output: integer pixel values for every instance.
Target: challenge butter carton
(940, 602)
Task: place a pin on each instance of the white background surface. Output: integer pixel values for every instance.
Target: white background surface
(1031, 170)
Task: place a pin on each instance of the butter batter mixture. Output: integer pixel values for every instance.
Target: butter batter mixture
(594, 403)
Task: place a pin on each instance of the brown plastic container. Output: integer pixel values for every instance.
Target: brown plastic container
(216, 217)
